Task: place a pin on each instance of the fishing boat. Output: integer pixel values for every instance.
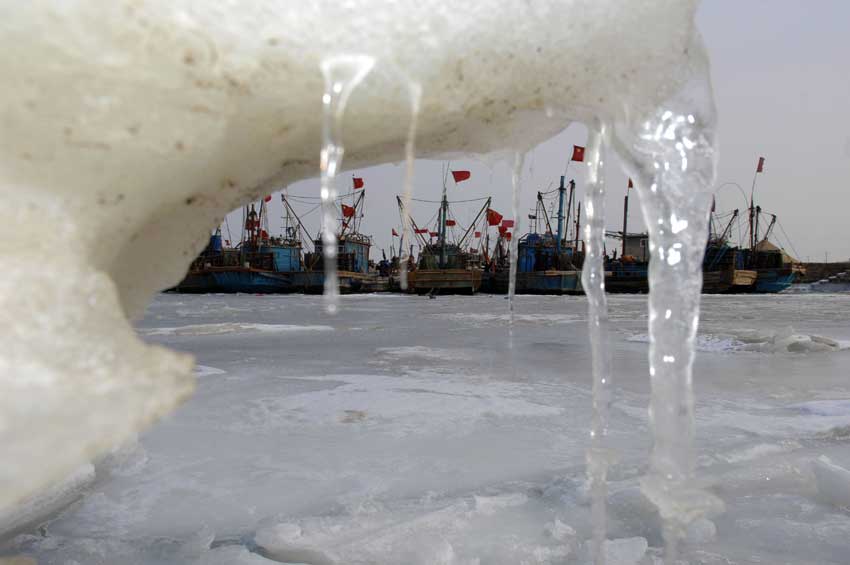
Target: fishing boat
(628, 273)
(354, 270)
(775, 269)
(448, 265)
(723, 267)
(548, 262)
(259, 263)
(198, 279)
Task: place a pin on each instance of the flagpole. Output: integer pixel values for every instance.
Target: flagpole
(752, 202)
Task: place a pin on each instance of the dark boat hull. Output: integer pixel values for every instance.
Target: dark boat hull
(444, 281)
(631, 279)
(535, 282)
(313, 282)
(728, 281)
(771, 281)
(198, 282)
(252, 281)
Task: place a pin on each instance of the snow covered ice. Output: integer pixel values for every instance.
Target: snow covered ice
(404, 431)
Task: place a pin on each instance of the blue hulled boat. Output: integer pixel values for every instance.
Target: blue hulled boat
(259, 264)
(547, 262)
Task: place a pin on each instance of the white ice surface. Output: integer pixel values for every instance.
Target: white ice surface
(432, 438)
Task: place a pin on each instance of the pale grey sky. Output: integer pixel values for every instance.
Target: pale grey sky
(782, 85)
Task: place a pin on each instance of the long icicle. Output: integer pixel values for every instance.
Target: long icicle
(593, 281)
(516, 184)
(342, 74)
(407, 195)
(675, 158)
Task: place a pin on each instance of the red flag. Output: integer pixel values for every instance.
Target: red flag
(760, 168)
(268, 198)
(578, 153)
(264, 234)
(478, 234)
(493, 217)
(508, 236)
(395, 233)
(347, 211)
(631, 185)
(358, 182)
(460, 176)
(421, 231)
(434, 234)
(503, 230)
(508, 223)
(451, 223)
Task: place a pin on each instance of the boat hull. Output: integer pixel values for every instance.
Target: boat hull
(629, 280)
(728, 281)
(197, 282)
(313, 282)
(252, 281)
(773, 281)
(444, 281)
(535, 282)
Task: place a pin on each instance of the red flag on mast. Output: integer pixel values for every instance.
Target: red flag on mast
(267, 198)
(578, 153)
(493, 218)
(395, 233)
(358, 182)
(631, 185)
(347, 211)
(760, 168)
(508, 223)
(451, 223)
(461, 176)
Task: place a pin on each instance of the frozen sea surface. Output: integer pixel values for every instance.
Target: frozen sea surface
(412, 431)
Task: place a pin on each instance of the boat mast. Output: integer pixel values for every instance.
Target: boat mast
(541, 208)
(442, 217)
(728, 227)
(578, 228)
(625, 221)
(561, 190)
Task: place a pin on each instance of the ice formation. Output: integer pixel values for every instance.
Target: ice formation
(129, 129)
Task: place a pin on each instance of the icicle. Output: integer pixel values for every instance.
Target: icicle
(675, 162)
(517, 188)
(409, 158)
(593, 281)
(342, 74)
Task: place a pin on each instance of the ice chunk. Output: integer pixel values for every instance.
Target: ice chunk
(36, 509)
(233, 555)
(625, 551)
(700, 531)
(833, 482)
(130, 129)
(287, 543)
(559, 531)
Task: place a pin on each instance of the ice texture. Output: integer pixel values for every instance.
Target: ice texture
(833, 482)
(425, 432)
(130, 129)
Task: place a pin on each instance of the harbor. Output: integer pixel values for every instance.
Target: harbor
(446, 255)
